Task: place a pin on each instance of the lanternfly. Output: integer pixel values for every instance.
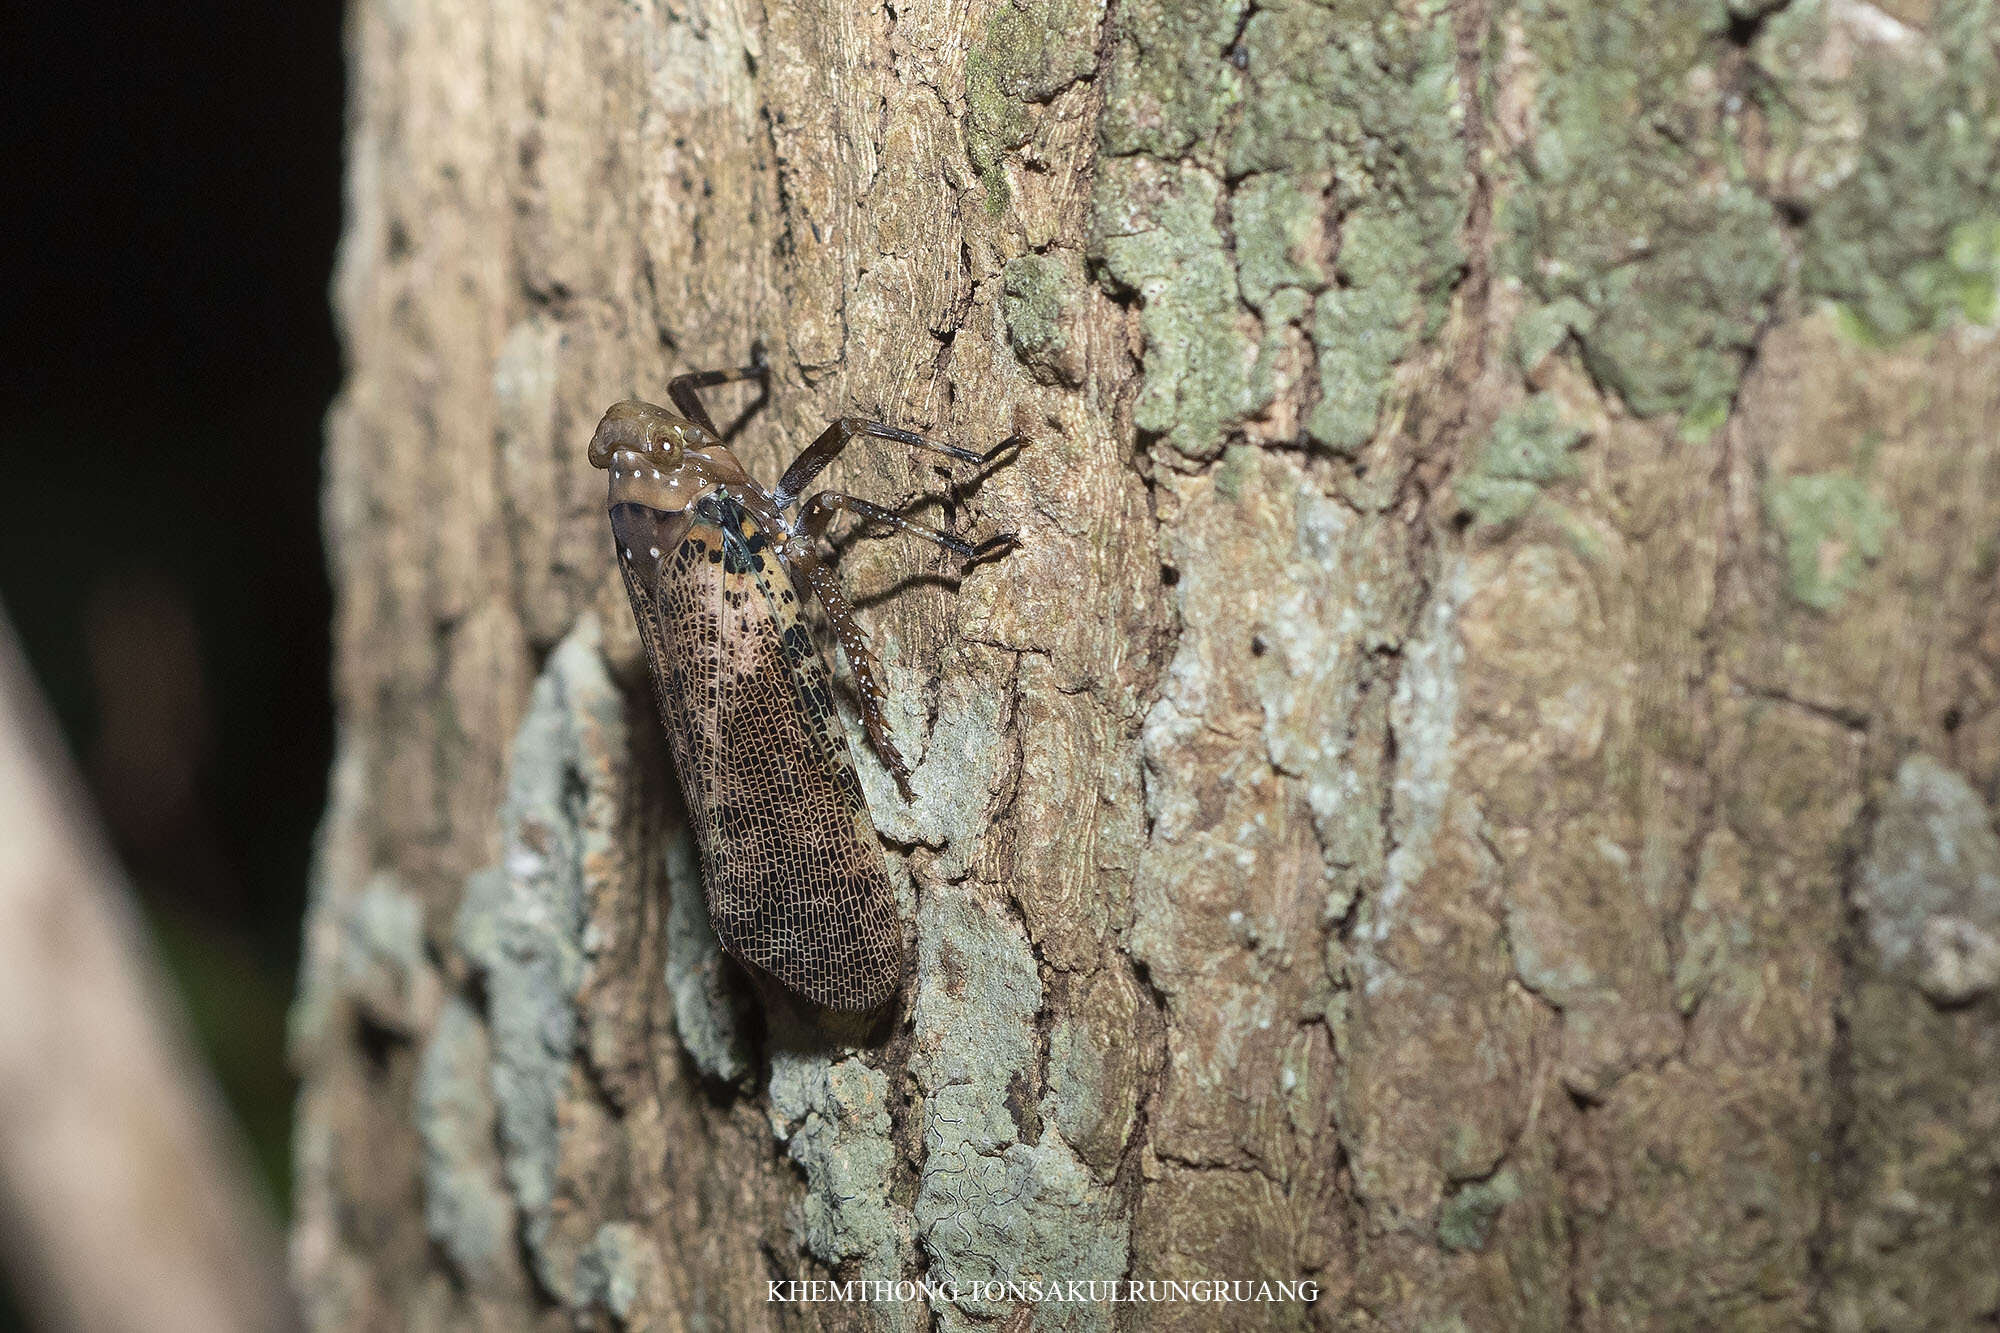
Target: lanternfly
(717, 568)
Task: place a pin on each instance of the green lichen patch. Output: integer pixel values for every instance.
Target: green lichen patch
(964, 758)
(1929, 889)
(1345, 110)
(1530, 447)
(1364, 94)
(1467, 1216)
(1362, 102)
(1239, 467)
(1625, 201)
(1033, 301)
(1962, 283)
(1277, 226)
(1031, 50)
(1156, 236)
(1890, 137)
(1542, 327)
(383, 967)
(1363, 328)
(999, 195)
(1170, 84)
(620, 1271)
(1039, 297)
(1832, 527)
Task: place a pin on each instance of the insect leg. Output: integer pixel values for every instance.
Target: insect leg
(808, 566)
(819, 511)
(867, 671)
(837, 436)
(681, 388)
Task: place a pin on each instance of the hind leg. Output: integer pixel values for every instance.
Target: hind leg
(819, 512)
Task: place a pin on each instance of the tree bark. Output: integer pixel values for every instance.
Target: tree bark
(1474, 795)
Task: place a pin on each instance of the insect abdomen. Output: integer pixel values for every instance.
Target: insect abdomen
(795, 879)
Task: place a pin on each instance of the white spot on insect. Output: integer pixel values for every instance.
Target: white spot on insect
(656, 474)
(628, 553)
(615, 474)
(653, 551)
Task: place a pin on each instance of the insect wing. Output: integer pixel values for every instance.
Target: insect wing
(795, 879)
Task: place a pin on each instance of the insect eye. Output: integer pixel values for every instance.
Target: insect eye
(628, 429)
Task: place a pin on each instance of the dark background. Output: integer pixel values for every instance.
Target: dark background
(172, 202)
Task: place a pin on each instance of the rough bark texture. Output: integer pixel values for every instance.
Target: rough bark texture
(1476, 791)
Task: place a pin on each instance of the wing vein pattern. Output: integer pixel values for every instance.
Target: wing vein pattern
(795, 880)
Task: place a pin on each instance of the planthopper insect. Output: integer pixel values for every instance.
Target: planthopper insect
(718, 570)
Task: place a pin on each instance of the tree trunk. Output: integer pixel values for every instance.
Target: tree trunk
(1474, 797)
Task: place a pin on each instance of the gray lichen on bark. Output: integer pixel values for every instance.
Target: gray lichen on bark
(523, 928)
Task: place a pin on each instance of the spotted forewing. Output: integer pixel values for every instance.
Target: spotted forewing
(718, 569)
(795, 879)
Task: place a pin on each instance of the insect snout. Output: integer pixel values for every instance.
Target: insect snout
(633, 427)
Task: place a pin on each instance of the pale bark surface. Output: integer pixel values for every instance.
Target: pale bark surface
(1476, 790)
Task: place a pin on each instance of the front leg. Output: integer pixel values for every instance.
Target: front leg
(836, 437)
(681, 389)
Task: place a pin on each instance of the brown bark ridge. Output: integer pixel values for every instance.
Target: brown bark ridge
(1475, 794)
